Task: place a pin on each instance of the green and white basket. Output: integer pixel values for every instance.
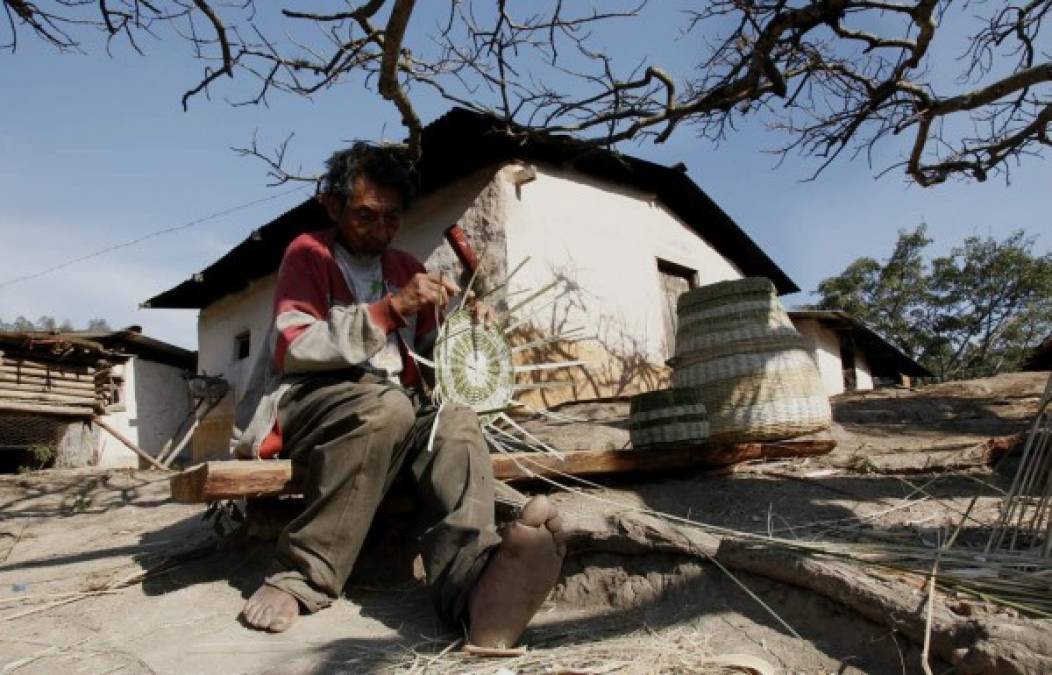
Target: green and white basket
(670, 417)
(736, 345)
(473, 366)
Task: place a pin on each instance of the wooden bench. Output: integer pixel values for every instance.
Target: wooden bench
(234, 479)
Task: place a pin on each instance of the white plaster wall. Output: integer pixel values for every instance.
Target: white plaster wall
(825, 350)
(607, 239)
(156, 402)
(474, 202)
(863, 376)
(111, 452)
(222, 321)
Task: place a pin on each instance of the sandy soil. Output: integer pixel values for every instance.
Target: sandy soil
(93, 535)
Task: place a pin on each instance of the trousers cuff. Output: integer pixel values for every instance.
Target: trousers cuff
(296, 585)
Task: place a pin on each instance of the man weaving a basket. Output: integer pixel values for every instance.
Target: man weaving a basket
(341, 397)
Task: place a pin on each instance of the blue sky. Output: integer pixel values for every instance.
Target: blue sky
(96, 150)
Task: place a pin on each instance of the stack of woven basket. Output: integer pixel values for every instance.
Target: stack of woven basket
(740, 361)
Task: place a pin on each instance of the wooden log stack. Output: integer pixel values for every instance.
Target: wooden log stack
(28, 385)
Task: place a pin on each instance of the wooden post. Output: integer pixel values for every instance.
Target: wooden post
(131, 446)
(167, 460)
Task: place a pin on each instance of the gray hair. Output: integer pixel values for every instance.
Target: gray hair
(387, 165)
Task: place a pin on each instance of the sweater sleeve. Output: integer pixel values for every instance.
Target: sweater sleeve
(311, 335)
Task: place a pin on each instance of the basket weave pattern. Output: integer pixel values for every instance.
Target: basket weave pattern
(668, 417)
(737, 346)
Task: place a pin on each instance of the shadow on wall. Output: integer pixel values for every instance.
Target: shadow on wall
(162, 404)
(617, 364)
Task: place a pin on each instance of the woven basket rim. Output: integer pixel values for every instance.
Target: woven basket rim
(724, 289)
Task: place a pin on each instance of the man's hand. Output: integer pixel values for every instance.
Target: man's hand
(482, 312)
(421, 290)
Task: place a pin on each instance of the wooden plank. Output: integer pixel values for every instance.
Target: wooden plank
(211, 481)
(233, 479)
(53, 372)
(18, 394)
(30, 364)
(599, 462)
(44, 388)
(131, 446)
(35, 379)
(46, 408)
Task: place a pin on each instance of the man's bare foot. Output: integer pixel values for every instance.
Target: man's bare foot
(271, 609)
(518, 577)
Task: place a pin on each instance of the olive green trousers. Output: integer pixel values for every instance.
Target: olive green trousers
(348, 439)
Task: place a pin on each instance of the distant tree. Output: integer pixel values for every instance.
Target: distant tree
(21, 323)
(894, 296)
(977, 311)
(46, 323)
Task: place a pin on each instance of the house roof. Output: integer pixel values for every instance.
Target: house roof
(92, 346)
(883, 357)
(458, 144)
(1041, 359)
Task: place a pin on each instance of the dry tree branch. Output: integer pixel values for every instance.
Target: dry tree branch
(836, 78)
(275, 161)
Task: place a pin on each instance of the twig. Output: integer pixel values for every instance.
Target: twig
(35, 610)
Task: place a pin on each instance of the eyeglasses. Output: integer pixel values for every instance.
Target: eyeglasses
(371, 217)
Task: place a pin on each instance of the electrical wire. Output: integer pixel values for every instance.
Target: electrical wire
(168, 230)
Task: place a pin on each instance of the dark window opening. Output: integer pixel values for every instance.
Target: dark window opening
(847, 361)
(242, 345)
(675, 280)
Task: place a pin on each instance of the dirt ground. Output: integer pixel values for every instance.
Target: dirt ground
(100, 572)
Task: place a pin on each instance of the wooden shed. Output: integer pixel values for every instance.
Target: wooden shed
(57, 389)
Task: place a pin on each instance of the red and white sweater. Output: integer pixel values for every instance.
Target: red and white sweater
(318, 326)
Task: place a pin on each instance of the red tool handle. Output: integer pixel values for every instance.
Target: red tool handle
(458, 241)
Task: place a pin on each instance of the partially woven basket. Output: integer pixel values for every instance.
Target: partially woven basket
(736, 345)
(669, 417)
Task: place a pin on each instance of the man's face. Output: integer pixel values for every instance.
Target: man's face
(369, 220)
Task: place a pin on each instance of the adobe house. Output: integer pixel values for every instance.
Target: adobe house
(850, 355)
(53, 385)
(628, 234)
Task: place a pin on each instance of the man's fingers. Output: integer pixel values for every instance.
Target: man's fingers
(445, 283)
(449, 285)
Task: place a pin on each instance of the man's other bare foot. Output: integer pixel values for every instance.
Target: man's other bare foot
(518, 577)
(271, 609)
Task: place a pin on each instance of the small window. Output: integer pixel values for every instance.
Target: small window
(109, 387)
(675, 280)
(242, 345)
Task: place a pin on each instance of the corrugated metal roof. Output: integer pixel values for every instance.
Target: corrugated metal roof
(458, 144)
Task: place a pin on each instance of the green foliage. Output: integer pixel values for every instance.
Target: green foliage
(40, 456)
(977, 311)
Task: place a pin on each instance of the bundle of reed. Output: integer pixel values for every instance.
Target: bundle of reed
(682, 649)
(1026, 514)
